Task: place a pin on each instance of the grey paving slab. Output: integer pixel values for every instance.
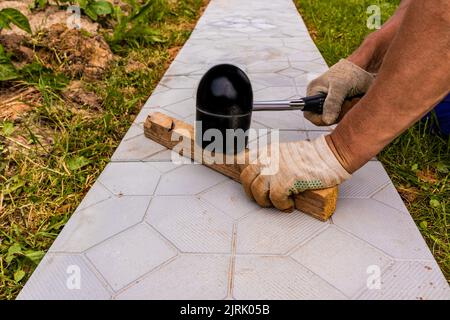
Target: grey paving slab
(278, 277)
(400, 282)
(384, 227)
(65, 277)
(230, 198)
(152, 228)
(99, 222)
(130, 179)
(191, 225)
(337, 251)
(267, 231)
(194, 276)
(188, 180)
(365, 182)
(127, 256)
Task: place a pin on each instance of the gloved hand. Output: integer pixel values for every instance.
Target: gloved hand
(296, 167)
(344, 79)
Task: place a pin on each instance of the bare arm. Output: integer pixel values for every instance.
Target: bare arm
(413, 78)
(370, 54)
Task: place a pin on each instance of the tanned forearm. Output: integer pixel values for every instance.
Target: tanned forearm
(413, 78)
(370, 54)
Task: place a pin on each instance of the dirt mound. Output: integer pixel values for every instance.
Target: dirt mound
(78, 53)
(44, 19)
(77, 94)
(14, 102)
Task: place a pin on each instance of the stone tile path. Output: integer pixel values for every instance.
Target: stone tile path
(151, 229)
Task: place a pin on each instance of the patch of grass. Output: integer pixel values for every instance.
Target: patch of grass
(50, 158)
(418, 161)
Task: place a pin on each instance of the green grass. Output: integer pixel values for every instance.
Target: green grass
(418, 162)
(50, 158)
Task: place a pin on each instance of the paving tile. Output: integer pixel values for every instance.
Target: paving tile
(190, 224)
(164, 166)
(389, 195)
(365, 182)
(188, 180)
(192, 277)
(179, 82)
(280, 119)
(410, 280)
(169, 159)
(135, 130)
(291, 72)
(130, 254)
(274, 93)
(304, 56)
(131, 179)
(183, 108)
(330, 254)
(64, 277)
(96, 194)
(272, 79)
(169, 97)
(311, 67)
(96, 223)
(178, 68)
(276, 277)
(136, 149)
(268, 231)
(383, 227)
(230, 198)
(302, 80)
(264, 67)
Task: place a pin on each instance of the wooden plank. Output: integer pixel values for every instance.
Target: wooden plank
(178, 136)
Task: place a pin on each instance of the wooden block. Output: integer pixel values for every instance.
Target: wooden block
(179, 136)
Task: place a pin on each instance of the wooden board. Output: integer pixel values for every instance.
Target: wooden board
(178, 136)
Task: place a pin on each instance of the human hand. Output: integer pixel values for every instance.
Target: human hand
(344, 79)
(291, 168)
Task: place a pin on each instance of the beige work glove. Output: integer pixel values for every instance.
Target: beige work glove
(296, 167)
(344, 79)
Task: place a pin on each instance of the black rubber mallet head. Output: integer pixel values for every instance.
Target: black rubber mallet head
(225, 101)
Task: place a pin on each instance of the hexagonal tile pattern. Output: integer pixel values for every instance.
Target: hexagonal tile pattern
(286, 120)
(228, 196)
(64, 277)
(365, 182)
(268, 231)
(96, 194)
(188, 179)
(383, 227)
(274, 93)
(98, 222)
(410, 280)
(389, 195)
(130, 179)
(169, 97)
(191, 224)
(276, 277)
(337, 251)
(184, 108)
(130, 254)
(136, 149)
(152, 227)
(187, 277)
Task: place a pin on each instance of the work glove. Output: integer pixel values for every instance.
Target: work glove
(286, 169)
(344, 79)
